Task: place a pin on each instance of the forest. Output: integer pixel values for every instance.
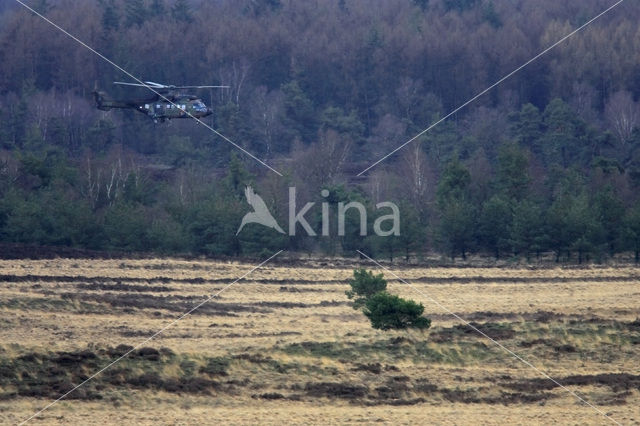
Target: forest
(546, 164)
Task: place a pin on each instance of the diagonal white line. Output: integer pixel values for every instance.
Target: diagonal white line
(147, 86)
(545, 51)
(501, 346)
(152, 337)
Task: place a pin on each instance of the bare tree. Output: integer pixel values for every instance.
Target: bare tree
(267, 109)
(322, 162)
(622, 115)
(417, 176)
(235, 76)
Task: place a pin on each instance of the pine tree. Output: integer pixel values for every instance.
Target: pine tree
(181, 11)
(135, 12)
(494, 225)
(157, 8)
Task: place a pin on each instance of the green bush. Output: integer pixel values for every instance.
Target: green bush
(364, 285)
(387, 311)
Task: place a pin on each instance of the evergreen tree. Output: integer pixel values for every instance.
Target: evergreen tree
(238, 177)
(512, 178)
(564, 139)
(387, 311)
(181, 11)
(494, 225)
(527, 233)
(454, 182)
(609, 211)
(157, 8)
(110, 18)
(457, 214)
(299, 111)
(135, 12)
(457, 226)
(528, 127)
(631, 231)
(364, 285)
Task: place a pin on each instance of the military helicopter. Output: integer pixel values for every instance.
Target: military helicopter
(159, 108)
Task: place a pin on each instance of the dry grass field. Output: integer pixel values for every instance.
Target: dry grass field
(283, 346)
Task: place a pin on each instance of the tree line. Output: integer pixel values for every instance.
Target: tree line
(547, 163)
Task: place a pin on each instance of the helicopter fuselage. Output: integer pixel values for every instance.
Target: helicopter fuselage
(158, 108)
(181, 106)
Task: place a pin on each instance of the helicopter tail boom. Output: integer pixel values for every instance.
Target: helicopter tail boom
(99, 98)
(105, 104)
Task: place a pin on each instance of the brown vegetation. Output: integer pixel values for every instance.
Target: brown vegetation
(272, 341)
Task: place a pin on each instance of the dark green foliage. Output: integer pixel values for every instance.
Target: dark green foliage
(181, 11)
(387, 311)
(609, 211)
(127, 226)
(459, 5)
(527, 126)
(457, 225)
(110, 18)
(531, 170)
(512, 178)
(157, 8)
(491, 16)
(423, 4)
(454, 182)
(349, 125)
(364, 285)
(631, 231)
(213, 224)
(527, 231)
(135, 12)
(259, 7)
(494, 225)
(384, 310)
(299, 110)
(216, 367)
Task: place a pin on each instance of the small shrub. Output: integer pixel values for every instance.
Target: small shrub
(364, 285)
(387, 311)
(216, 367)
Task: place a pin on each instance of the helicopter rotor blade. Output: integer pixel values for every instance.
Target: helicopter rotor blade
(200, 87)
(154, 85)
(147, 84)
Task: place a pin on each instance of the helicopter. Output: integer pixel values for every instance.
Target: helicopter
(163, 105)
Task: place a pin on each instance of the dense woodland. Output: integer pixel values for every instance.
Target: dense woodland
(546, 164)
